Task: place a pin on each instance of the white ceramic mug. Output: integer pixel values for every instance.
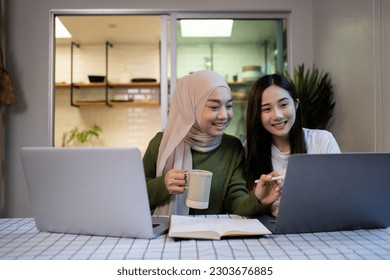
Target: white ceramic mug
(198, 184)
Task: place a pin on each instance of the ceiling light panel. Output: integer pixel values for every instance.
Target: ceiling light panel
(206, 28)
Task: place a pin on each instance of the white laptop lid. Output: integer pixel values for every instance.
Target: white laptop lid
(97, 191)
(331, 192)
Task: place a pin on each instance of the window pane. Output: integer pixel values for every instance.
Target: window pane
(255, 47)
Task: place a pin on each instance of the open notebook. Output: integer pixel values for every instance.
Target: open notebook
(96, 191)
(214, 227)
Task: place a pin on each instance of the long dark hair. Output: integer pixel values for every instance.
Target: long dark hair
(259, 140)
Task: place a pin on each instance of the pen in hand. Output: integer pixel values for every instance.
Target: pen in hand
(273, 178)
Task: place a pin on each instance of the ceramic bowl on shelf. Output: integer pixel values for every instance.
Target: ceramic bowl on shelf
(96, 79)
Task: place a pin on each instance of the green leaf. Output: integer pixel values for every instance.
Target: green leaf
(72, 134)
(85, 135)
(315, 92)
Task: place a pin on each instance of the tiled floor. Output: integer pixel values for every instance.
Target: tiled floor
(19, 239)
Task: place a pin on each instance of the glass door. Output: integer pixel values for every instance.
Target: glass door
(241, 48)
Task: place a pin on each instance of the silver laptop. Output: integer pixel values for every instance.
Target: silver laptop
(332, 192)
(95, 191)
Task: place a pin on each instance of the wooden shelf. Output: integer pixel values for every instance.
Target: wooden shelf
(81, 103)
(130, 85)
(238, 83)
(137, 85)
(85, 103)
(240, 101)
(62, 85)
(111, 85)
(135, 103)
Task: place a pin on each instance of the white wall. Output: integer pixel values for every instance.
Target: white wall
(134, 60)
(348, 44)
(27, 51)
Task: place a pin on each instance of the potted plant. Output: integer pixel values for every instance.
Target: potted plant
(315, 93)
(82, 136)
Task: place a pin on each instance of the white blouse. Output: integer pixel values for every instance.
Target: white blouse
(317, 142)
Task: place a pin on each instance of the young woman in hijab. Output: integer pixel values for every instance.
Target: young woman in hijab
(274, 132)
(194, 138)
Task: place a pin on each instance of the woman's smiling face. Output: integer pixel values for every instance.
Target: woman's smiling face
(278, 112)
(218, 112)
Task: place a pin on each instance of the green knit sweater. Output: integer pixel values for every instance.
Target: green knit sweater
(228, 190)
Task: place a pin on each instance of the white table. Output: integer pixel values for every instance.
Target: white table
(19, 239)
